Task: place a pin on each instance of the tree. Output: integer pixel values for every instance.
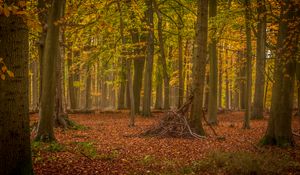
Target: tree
(45, 125)
(149, 60)
(258, 106)
(279, 130)
(163, 58)
(246, 124)
(199, 61)
(213, 71)
(15, 150)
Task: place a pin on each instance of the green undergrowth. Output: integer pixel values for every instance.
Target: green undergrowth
(75, 126)
(89, 150)
(243, 163)
(37, 148)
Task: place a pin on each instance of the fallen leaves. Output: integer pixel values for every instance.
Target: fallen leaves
(115, 153)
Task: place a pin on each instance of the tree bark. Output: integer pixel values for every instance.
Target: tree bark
(88, 100)
(149, 61)
(180, 67)
(246, 124)
(213, 71)
(199, 61)
(45, 125)
(15, 150)
(279, 130)
(258, 106)
(166, 78)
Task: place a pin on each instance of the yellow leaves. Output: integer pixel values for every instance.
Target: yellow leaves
(13, 9)
(10, 74)
(4, 70)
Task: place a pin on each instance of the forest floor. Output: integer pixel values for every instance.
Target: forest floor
(104, 144)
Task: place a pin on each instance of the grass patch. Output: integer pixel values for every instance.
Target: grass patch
(37, 148)
(75, 126)
(243, 163)
(88, 150)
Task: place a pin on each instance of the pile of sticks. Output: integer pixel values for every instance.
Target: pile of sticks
(174, 124)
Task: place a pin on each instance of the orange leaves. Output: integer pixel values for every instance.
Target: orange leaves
(4, 70)
(7, 10)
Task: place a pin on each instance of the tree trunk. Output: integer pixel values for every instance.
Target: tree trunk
(149, 61)
(139, 63)
(166, 78)
(258, 106)
(131, 95)
(213, 71)
(227, 95)
(15, 150)
(220, 80)
(45, 125)
(180, 67)
(199, 61)
(279, 130)
(35, 86)
(246, 124)
(88, 101)
(71, 82)
(121, 99)
(298, 86)
(158, 97)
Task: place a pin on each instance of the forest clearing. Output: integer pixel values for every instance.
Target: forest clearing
(149, 87)
(102, 148)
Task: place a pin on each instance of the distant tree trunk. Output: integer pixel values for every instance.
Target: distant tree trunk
(88, 100)
(227, 93)
(242, 81)
(139, 63)
(35, 86)
(15, 150)
(45, 125)
(279, 130)
(158, 97)
(149, 60)
(180, 67)
(121, 99)
(166, 78)
(131, 95)
(199, 61)
(246, 124)
(220, 81)
(71, 82)
(42, 16)
(213, 71)
(258, 106)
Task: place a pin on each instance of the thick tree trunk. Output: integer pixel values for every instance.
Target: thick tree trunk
(258, 106)
(213, 71)
(45, 125)
(15, 150)
(199, 61)
(279, 130)
(149, 61)
(246, 124)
